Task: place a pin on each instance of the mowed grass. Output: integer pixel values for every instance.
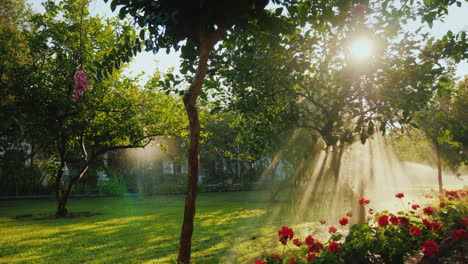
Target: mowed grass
(141, 229)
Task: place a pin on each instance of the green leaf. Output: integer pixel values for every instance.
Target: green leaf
(113, 5)
(122, 12)
(279, 11)
(215, 110)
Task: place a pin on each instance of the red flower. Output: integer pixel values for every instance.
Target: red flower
(430, 247)
(403, 221)
(313, 245)
(363, 201)
(284, 234)
(344, 221)
(277, 256)
(322, 222)
(415, 231)
(334, 247)
(433, 226)
(459, 234)
(415, 206)
(428, 210)
(297, 242)
(442, 205)
(309, 240)
(257, 261)
(464, 222)
(292, 261)
(332, 229)
(310, 257)
(394, 220)
(349, 214)
(452, 195)
(383, 220)
(399, 195)
(426, 223)
(436, 226)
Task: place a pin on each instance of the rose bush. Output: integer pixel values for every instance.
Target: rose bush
(385, 238)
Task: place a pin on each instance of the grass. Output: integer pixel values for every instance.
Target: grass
(141, 230)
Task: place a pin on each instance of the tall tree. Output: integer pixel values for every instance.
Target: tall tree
(201, 24)
(444, 125)
(79, 105)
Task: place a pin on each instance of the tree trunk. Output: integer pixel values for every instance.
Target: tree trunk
(61, 208)
(62, 201)
(439, 165)
(190, 100)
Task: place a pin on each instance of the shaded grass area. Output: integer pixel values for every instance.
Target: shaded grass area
(141, 229)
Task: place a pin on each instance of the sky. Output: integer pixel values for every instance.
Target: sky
(148, 62)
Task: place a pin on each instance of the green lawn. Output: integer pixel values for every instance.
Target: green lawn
(142, 230)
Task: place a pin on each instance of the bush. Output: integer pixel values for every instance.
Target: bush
(385, 237)
(113, 186)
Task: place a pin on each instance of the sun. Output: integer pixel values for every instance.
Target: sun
(361, 48)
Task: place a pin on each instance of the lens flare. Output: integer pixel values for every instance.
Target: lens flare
(361, 48)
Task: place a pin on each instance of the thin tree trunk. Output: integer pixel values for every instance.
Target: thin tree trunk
(439, 165)
(190, 100)
(62, 210)
(62, 199)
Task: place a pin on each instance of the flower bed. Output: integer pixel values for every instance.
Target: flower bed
(384, 238)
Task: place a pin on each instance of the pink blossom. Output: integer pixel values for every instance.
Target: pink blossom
(81, 84)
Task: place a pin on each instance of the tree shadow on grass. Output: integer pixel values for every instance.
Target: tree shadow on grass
(141, 234)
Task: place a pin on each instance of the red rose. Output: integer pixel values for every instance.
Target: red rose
(430, 247)
(314, 246)
(344, 221)
(383, 220)
(459, 234)
(399, 195)
(257, 261)
(277, 256)
(349, 214)
(332, 229)
(394, 220)
(436, 226)
(292, 261)
(334, 247)
(310, 257)
(452, 195)
(309, 240)
(297, 242)
(403, 221)
(284, 234)
(415, 206)
(426, 223)
(363, 201)
(428, 210)
(415, 231)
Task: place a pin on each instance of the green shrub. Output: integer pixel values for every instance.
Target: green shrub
(113, 186)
